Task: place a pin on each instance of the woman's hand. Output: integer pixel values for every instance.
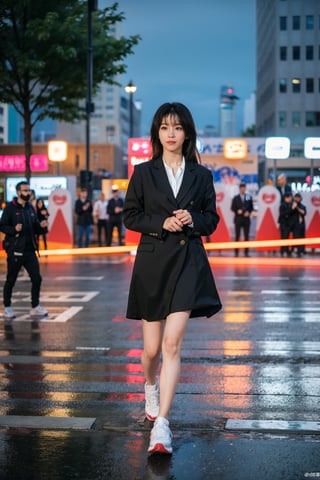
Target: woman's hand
(177, 221)
(184, 216)
(172, 224)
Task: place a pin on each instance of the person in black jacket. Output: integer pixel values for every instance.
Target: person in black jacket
(84, 209)
(286, 221)
(20, 225)
(299, 224)
(171, 202)
(42, 214)
(242, 206)
(115, 211)
(282, 185)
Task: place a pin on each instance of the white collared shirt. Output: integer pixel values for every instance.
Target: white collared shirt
(100, 210)
(175, 180)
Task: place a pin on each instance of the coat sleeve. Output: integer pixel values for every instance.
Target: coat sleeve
(135, 216)
(206, 219)
(6, 223)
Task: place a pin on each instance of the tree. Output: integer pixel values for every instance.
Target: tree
(43, 58)
(249, 132)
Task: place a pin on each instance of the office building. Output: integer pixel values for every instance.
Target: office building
(288, 69)
(249, 112)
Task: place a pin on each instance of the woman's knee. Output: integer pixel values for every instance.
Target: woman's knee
(151, 352)
(171, 347)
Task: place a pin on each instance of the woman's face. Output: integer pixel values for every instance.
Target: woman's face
(171, 134)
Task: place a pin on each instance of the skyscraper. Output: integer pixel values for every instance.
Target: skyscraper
(288, 68)
(228, 112)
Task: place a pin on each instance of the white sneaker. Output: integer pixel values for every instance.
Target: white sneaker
(152, 401)
(38, 312)
(8, 313)
(160, 437)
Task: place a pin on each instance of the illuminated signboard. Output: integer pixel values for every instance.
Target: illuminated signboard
(17, 163)
(312, 147)
(139, 150)
(277, 148)
(57, 150)
(235, 149)
(42, 186)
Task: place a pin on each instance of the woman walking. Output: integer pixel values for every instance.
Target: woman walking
(171, 201)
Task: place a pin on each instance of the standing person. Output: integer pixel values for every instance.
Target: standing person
(171, 201)
(299, 224)
(20, 225)
(42, 214)
(282, 185)
(33, 199)
(100, 213)
(115, 212)
(83, 209)
(242, 207)
(286, 221)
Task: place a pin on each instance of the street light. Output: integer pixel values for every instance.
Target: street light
(57, 152)
(130, 89)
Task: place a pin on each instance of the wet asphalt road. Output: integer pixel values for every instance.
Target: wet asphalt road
(247, 407)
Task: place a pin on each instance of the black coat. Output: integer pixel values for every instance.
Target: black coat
(24, 240)
(171, 271)
(85, 217)
(245, 206)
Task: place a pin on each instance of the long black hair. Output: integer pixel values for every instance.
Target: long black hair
(189, 148)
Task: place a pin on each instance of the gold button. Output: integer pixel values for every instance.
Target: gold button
(182, 242)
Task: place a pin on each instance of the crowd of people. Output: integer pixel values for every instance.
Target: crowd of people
(105, 214)
(291, 217)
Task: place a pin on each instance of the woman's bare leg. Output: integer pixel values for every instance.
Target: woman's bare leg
(173, 334)
(152, 338)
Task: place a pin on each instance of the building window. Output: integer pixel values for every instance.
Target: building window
(283, 85)
(282, 119)
(283, 23)
(312, 119)
(296, 119)
(296, 53)
(283, 53)
(309, 22)
(295, 22)
(296, 85)
(309, 85)
(309, 52)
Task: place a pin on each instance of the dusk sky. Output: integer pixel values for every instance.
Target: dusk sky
(189, 49)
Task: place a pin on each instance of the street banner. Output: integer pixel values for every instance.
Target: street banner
(60, 219)
(223, 202)
(267, 227)
(311, 200)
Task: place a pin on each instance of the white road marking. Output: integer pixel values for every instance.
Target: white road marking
(105, 349)
(79, 278)
(56, 297)
(273, 425)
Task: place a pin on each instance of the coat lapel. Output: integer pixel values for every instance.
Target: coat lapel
(189, 177)
(161, 180)
(162, 183)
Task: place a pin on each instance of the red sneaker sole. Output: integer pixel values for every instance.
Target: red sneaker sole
(149, 417)
(160, 448)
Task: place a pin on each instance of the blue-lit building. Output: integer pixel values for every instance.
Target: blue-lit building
(228, 112)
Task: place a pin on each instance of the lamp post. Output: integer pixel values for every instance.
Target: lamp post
(92, 7)
(130, 89)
